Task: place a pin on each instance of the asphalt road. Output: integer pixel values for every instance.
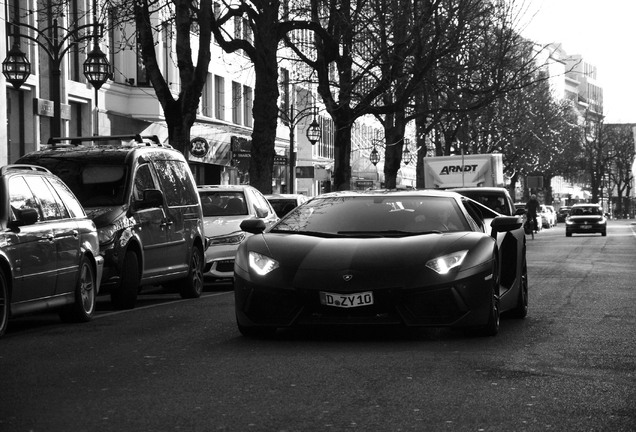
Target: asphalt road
(181, 365)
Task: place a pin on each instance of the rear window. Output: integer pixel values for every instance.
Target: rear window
(223, 203)
(586, 211)
(492, 200)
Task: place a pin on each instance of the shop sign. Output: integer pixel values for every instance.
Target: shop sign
(46, 108)
(305, 172)
(199, 147)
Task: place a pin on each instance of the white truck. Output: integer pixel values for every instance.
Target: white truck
(443, 172)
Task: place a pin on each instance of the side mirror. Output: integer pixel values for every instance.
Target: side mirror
(505, 224)
(253, 226)
(151, 198)
(520, 212)
(26, 216)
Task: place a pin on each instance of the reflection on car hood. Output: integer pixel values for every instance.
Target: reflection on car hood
(103, 216)
(216, 226)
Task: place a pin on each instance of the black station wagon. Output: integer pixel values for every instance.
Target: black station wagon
(49, 252)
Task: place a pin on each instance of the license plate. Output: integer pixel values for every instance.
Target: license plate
(346, 300)
(586, 226)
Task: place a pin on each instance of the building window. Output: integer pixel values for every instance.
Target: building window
(284, 94)
(219, 97)
(206, 97)
(142, 76)
(247, 106)
(237, 102)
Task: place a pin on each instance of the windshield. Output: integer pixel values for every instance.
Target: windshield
(376, 215)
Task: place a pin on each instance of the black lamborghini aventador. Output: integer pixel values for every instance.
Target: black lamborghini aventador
(412, 258)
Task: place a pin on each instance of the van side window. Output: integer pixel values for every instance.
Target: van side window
(174, 177)
(143, 181)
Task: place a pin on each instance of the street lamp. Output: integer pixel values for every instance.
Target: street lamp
(16, 67)
(374, 157)
(406, 154)
(313, 134)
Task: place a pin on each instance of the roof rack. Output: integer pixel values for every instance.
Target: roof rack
(23, 167)
(78, 140)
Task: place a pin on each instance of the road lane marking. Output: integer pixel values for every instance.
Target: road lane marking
(119, 312)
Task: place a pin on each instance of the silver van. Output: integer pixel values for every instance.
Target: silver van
(144, 201)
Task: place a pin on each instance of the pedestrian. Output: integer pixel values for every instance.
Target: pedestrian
(532, 209)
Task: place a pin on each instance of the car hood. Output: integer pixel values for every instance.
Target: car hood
(222, 225)
(323, 263)
(104, 216)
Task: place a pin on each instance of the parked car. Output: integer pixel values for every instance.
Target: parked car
(284, 203)
(224, 208)
(49, 251)
(586, 219)
(495, 198)
(548, 217)
(413, 258)
(143, 199)
(563, 213)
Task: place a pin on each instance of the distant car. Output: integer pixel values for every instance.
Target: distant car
(224, 208)
(284, 203)
(563, 213)
(415, 258)
(495, 198)
(586, 219)
(49, 250)
(548, 216)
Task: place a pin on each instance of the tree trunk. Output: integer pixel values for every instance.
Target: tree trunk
(265, 109)
(394, 137)
(342, 154)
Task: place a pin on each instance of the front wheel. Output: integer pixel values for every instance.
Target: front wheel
(5, 303)
(192, 285)
(521, 310)
(83, 307)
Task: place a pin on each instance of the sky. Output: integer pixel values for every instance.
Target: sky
(604, 33)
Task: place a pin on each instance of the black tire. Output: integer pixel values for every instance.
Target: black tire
(568, 234)
(492, 326)
(192, 285)
(5, 304)
(125, 295)
(83, 308)
(604, 233)
(521, 310)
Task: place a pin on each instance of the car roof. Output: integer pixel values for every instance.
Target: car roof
(393, 192)
(586, 205)
(223, 188)
(480, 188)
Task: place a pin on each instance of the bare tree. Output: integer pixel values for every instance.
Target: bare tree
(186, 18)
(620, 138)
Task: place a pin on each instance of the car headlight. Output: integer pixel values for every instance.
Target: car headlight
(261, 264)
(444, 264)
(568, 222)
(106, 234)
(233, 238)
